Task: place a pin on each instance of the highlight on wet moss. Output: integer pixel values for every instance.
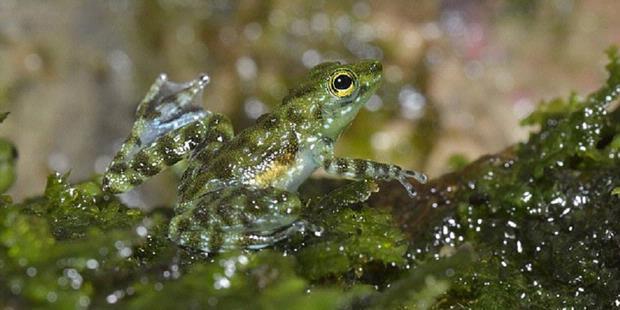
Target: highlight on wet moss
(75, 209)
(357, 241)
(421, 288)
(265, 280)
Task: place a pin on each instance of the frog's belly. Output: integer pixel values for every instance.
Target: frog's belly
(288, 175)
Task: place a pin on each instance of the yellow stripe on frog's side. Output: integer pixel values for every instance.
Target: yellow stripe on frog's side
(279, 168)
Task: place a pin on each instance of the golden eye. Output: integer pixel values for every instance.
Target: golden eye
(342, 84)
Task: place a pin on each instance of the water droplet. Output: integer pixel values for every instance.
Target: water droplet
(31, 271)
(221, 282)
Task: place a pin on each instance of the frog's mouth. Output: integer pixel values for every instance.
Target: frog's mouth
(361, 96)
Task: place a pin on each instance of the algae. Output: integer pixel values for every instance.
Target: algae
(532, 226)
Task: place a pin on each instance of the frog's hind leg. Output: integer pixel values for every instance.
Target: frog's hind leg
(219, 132)
(169, 125)
(239, 217)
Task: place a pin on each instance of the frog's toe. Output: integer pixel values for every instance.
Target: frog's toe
(304, 226)
(257, 241)
(410, 189)
(418, 176)
(403, 179)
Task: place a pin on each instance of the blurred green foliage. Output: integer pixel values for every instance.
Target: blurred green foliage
(8, 156)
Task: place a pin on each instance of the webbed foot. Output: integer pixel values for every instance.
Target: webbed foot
(403, 176)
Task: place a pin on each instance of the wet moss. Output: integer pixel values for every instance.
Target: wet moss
(542, 214)
(539, 218)
(539, 214)
(264, 280)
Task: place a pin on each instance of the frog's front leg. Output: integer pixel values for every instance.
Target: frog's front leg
(366, 169)
(238, 217)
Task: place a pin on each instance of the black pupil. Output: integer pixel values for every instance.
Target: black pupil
(343, 82)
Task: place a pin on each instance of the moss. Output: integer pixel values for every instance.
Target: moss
(539, 216)
(423, 287)
(266, 280)
(75, 209)
(542, 216)
(359, 239)
(457, 162)
(56, 249)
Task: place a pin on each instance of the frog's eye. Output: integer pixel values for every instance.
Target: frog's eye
(342, 84)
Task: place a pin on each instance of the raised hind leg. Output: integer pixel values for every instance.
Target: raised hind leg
(220, 132)
(169, 125)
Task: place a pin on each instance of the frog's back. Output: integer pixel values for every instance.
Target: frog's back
(268, 154)
(253, 151)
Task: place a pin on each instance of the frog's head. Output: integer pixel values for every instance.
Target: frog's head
(338, 91)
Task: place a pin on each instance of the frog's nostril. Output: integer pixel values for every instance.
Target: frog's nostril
(376, 66)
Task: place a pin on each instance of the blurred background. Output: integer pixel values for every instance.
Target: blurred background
(459, 74)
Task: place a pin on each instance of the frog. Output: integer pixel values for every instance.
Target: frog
(239, 191)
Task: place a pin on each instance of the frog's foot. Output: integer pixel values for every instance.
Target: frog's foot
(169, 124)
(418, 176)
(259, 241)
(305, 227)
(347, 195)
(403, 177)
(169, 106)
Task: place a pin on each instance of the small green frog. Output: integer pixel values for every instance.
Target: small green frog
(239, 190)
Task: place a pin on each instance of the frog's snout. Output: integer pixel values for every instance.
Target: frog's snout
(376, 67)
(372, 73)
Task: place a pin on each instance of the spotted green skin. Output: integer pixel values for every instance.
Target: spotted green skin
(239, 191)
